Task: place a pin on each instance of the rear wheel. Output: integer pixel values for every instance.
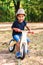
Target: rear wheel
(11, 46)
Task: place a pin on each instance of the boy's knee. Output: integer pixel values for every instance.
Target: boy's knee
(16, 38)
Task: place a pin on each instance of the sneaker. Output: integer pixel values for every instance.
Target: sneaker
(18, 55)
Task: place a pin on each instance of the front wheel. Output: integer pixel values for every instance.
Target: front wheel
(23, 52)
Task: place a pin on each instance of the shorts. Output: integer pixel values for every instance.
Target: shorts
(17, 38)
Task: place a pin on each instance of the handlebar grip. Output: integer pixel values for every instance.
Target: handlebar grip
(32, 32)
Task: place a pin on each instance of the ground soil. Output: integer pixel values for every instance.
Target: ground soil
(35, 57)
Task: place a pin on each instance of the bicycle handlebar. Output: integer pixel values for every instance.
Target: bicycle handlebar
(31, 32)
(28, 32)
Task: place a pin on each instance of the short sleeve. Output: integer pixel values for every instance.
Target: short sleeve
(13, 25)
(25, 23)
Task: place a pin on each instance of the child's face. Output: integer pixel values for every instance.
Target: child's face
(20, 18)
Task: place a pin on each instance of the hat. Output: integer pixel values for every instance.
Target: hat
(20, 11)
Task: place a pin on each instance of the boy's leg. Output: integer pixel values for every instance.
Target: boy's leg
(17, 38)
(18, 46)
(28, 41)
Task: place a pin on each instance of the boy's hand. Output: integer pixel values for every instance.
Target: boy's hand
(31, 32)
(18, 30)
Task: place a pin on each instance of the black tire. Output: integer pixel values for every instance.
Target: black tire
(23, 55)
(13, 47)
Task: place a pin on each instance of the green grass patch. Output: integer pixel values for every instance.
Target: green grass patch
(37, 41)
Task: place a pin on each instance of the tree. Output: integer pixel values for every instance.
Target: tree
(33, 9)
(16, 5)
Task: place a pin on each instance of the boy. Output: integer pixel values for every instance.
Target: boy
(17, 28)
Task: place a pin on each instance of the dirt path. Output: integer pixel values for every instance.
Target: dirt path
(35, 57)
(36, 27)
(7, 58)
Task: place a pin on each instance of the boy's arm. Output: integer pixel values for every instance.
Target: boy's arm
(30, 31)
(13, 27)
(16, 30)
(27, 26)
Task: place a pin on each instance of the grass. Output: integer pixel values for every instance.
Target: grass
(36, 48)
(36, 40)
(37, 44)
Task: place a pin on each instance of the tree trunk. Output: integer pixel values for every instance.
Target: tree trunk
(16, 5)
